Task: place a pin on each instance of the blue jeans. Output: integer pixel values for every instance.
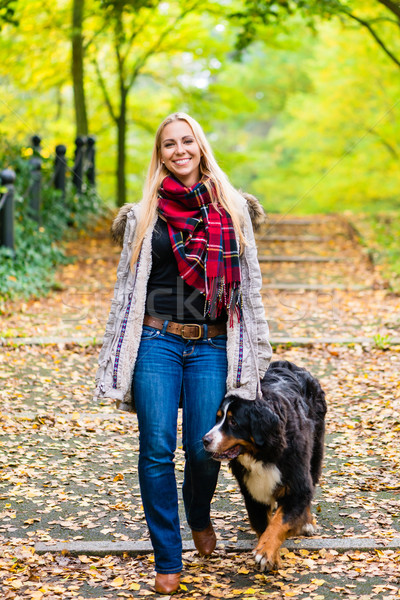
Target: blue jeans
(167, 367)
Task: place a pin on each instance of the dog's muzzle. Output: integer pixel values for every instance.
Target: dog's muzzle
(211, 447)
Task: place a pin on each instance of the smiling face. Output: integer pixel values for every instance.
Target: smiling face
(180, 152)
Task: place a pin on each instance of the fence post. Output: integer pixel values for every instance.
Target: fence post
(35, 188)
(7, 177)
(60, 166)
(77, 171)
(90, 160)
(35, 142)
(36, 179)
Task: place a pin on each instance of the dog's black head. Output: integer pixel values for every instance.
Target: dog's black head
(245, 426)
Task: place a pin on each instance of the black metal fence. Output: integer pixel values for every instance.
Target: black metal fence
(82, 174)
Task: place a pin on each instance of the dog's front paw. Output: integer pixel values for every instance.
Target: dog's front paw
(309, 529)
(266, 558)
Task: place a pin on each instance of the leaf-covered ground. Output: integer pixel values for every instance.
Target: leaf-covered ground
(63, 450)
(68, 465)
(306, 575)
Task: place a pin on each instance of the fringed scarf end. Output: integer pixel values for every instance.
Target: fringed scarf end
(222, 296)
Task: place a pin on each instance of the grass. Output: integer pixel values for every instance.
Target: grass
(383, 342)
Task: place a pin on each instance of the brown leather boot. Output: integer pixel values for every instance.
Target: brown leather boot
(205, 541)
(167, 583)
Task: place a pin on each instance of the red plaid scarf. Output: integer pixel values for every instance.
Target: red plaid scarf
(204, 244)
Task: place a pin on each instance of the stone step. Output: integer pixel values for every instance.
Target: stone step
(264, 258)
(299, 221)
(314, 287)
(133, 548)
(330, 339)
(292, 341)
(92, 257)
(293, 238)
(82, 416)
(279, 285)
(49, 340)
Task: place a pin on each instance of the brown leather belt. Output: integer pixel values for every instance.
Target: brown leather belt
(189, 331)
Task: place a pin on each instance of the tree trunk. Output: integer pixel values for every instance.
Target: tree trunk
(77, 68)
(121, 156)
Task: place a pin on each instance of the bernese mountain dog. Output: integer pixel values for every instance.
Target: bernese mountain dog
(275, 446)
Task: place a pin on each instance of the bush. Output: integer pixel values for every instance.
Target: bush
(38, 246)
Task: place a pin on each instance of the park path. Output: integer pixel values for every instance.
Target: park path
(69, 470)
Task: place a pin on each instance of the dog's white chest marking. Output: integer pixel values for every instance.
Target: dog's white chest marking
(260, 479)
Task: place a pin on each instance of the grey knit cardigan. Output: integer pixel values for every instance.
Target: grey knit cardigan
(248, 348)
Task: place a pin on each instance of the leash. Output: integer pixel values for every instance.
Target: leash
(254, 353)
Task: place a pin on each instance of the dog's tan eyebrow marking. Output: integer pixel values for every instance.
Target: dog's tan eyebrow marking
(229, 413)
(219, 414)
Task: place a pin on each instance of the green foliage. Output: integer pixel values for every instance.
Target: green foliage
(376, 17)
(307, 119)
(335, 146)
(383, 342)
(38, 246)
(30, 272)
(7, 12)
(116, 7)
(255, 15)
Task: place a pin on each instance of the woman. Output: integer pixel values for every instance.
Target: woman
(186, 324)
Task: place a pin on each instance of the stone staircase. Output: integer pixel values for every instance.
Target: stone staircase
(320, 286)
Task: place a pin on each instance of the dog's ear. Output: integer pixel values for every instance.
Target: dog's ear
(267, 427)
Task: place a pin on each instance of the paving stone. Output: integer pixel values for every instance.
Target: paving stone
(133, 548)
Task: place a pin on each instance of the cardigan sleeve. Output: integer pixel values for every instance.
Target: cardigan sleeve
(261, 342)
(118, 307)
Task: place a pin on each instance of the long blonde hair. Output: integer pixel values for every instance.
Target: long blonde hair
(215, 180)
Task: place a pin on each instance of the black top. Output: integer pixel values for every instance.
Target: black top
(168, 295)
